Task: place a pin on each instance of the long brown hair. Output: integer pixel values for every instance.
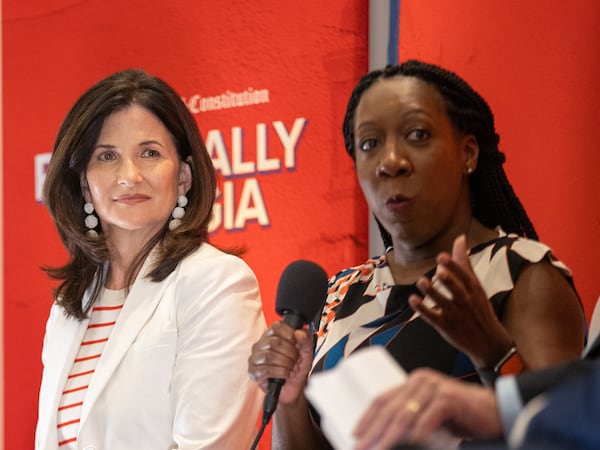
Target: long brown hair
(87, 265)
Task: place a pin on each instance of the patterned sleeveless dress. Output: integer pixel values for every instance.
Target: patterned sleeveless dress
(364, 307)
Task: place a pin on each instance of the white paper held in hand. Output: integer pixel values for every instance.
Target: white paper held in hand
(343, 394)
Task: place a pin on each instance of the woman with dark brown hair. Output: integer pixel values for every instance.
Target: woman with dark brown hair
(151, 326)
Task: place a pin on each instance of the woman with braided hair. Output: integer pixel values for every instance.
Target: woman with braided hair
(463, 287)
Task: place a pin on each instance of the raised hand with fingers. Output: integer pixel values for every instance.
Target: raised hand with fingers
(456, 305)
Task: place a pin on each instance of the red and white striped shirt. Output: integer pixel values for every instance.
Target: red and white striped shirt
(102, 319)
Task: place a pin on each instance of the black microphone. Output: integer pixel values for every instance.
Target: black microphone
(301, 292)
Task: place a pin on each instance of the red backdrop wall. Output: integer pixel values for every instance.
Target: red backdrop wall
(537, 65)
(288, 188)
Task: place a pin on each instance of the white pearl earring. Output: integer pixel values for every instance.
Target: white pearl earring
(178, 212)
(91, 221)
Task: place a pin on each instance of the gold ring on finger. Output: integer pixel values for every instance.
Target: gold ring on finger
(413, 406)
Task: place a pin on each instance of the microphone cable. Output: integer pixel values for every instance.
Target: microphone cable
(269, 406)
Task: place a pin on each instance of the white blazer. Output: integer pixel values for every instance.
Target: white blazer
(173, 374)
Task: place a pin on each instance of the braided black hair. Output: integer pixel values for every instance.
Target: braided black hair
(493, 200)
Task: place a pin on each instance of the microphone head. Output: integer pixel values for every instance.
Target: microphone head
(302, 289)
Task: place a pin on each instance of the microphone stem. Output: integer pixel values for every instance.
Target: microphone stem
(271, 398)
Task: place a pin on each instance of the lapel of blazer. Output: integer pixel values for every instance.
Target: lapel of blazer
(139, 305)
(64, 343)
